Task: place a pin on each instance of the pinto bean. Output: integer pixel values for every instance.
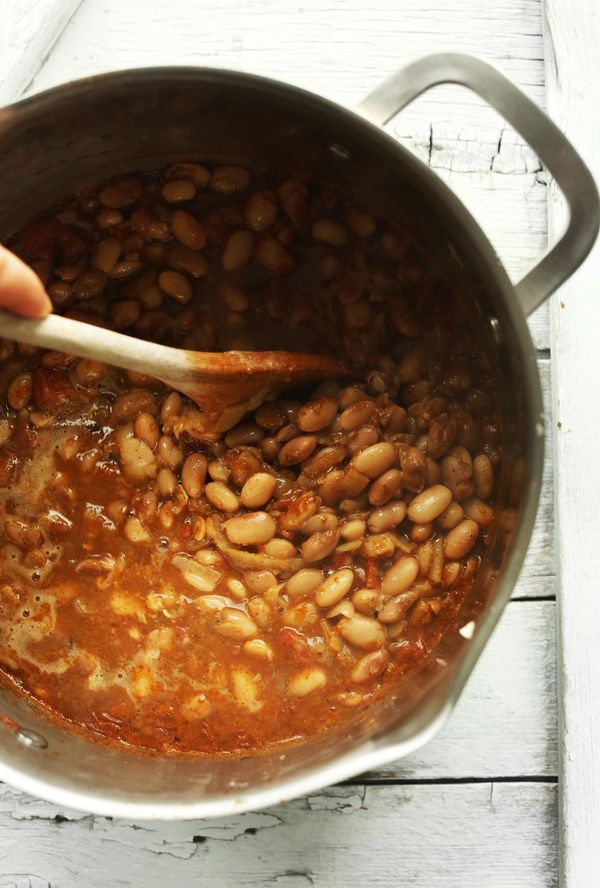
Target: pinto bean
(261, 211)
(461, 539)
(319, 545)
(238, 250)
(234, 623)
(388, 516)
(400, 576)
(479, 511)
(357, 414)
(328, 231)
(178, 190)
(483, 476)
(258, 490)
(363, 632)
(429, 504)
(175, 285)
(297, 450)
(193, 474)
(307, 682)
(251, 529)
(375, 460)
(385, 487)
(221, 497)
(335, 587)
(188, 230)
(370, 667)
(273, 256)
(229, 179)
(316, 415)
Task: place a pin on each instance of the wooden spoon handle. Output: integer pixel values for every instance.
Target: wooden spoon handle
(86, 341)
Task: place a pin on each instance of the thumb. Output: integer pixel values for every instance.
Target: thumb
(21, 291)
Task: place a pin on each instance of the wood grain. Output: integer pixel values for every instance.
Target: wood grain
(434, 836)
(573, 38)
(29, 29)
(343, 50)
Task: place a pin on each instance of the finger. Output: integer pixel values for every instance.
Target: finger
(21, 290)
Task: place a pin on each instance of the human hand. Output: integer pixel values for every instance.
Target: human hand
(21, 290)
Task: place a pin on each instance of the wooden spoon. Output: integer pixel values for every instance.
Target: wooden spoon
(225, 385)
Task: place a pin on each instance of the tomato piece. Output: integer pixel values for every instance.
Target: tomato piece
(297, 645)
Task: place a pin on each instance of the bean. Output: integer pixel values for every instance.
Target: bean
(483, 476)
(479, 511)
(121, 193)
(366, 601)
(166, 482)
(279, 548)
(357, 414)
(20, 389)
(219, 470)
(370, 667)
(451, 516)
(89, 372)
(334, 588)
(25, 534)
(258, 490)
(189, 261)
(330, 264)
(171, 407)
(316, 415)
(362, 224)
(457, 473)
(178, 190)
(362, 438)
(354, 529)
(352, 482)
(397, 608)
(385, 487)
(343, 608)
(234, 623)
(301, 584)
(350, 395)
(188, 230)
(271, 416)
(175, 285)
(258, 648)
(297, 449)
(221, 497)
(357, 316)
(259, 581)
(124, 268)
(306, 682)
(250, 530)
(146, 429)
(400, 576)
(168, 453)
(324, 459)
(273, 256)
(195, 172)
(89, 284)
(323, 520)
(461, 539)
(261, 211)
(106, 254)
(319, 545)
(106, 218)
(420, 533)
(229, 179)
(124, 314)
(428, 505)
(135, 531)
(238, 250)
(375, 460)
(379, 545)
(363, 632)
(193, 474)
(396, 419)
(328, 231)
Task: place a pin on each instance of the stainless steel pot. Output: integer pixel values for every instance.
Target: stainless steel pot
(80, 133)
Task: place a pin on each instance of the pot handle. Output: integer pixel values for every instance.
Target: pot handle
(544, 137)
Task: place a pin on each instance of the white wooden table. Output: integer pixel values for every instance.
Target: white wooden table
(478, 806)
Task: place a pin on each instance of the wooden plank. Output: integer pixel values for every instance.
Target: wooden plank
(466, 142)
(439, 836)
(572, 41)
(537, 575)
(29, 30)
(505, 722)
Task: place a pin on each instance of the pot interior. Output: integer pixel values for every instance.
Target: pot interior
(77, 136)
